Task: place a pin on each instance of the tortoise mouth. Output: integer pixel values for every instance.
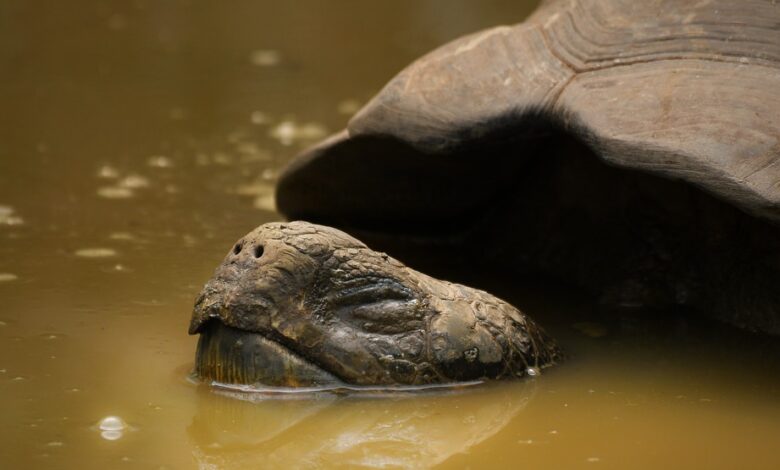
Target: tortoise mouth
(227, 355)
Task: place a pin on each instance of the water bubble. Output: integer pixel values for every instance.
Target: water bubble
(7, 277)
(533, 372)
(112, 423)
(159, 161)
(265, 57)
(112, 427)
(593, 459)
(95, 252)
(55, 444)
(111, 192)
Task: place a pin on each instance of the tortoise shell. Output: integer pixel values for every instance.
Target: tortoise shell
(648, 131)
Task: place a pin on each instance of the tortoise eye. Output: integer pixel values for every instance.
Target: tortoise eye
(374, 291)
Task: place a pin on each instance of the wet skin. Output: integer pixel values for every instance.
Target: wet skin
(303, 305)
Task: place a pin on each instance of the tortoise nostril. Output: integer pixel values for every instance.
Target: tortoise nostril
(258, 251)
(237, 248)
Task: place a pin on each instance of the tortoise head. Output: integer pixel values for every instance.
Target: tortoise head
(298, 304)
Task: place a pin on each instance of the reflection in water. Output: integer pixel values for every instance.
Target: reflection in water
(400, 430)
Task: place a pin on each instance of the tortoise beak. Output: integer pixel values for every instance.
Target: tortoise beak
(228, 355)
(203, 311)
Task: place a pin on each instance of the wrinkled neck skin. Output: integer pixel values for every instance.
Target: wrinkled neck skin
(298, 304)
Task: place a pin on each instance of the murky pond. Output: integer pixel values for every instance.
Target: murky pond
(139, 140)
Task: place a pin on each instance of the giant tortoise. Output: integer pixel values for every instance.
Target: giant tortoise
(631, 148)
(302, 305)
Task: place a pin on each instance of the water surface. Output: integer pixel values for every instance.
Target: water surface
(139, 140)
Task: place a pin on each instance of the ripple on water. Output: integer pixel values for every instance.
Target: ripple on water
(134, 182)
(124, 187)
(95, 253)
(266, 202)
(258, 188)
(288, 132)
(263, 193)
(8, 216)
(265, 57)
(107, 172)
(126, 236)
(113, 192)
(159, 161)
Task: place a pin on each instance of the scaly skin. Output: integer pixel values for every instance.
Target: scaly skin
(298, 304)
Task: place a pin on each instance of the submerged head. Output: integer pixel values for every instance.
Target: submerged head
(298, 304)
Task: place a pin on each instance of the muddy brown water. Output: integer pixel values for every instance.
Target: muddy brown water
(139, 140)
